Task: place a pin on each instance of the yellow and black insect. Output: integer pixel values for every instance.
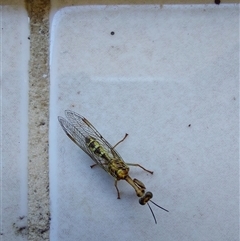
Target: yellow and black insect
(84, 134)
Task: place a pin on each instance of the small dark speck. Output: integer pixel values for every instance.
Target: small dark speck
(42, 123)
(217, 2)
(1, 233)
(234, 98)
(112, 33)
(21, 229)
(29, 38)
(189, 125)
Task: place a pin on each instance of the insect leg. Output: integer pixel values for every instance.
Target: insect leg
(93, 165)
(137, 165)
(120, 140)
(96, 164)
(115, 184)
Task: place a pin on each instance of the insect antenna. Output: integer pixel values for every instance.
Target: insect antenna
(144, 200)
(152, 213)
(159, 206)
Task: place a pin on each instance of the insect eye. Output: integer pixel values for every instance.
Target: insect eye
(143, 200)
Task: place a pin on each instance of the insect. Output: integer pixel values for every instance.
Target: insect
(84, 134)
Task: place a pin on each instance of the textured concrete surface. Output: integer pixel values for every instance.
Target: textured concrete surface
(38, 178)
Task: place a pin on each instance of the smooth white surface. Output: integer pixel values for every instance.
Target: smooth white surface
(14, 112)
(169, 78)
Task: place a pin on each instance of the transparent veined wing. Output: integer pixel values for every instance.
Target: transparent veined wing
(78, 128)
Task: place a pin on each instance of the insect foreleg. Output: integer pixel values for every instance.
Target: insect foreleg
(137, 165)
(115, 184)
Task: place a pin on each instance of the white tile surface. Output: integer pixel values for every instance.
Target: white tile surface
(14, 104)
(169, 78)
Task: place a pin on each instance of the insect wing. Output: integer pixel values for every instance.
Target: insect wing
(74, 134)
(78, 128)
(81, 123)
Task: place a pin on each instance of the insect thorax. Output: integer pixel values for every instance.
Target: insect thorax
(118, 169)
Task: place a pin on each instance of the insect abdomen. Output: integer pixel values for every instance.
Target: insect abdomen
(96, 148)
